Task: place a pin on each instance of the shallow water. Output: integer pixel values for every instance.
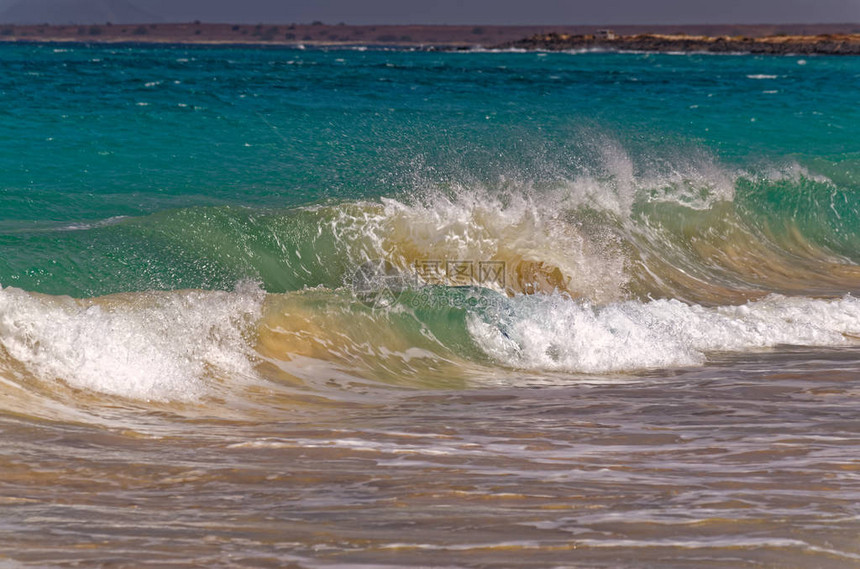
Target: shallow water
(371, 308)
(750, 461)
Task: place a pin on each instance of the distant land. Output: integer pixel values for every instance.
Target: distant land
(781, 44)
(800, 38)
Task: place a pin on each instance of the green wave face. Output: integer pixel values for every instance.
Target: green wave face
(707, 240)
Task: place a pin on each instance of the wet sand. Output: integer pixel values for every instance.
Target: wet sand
(751, 461)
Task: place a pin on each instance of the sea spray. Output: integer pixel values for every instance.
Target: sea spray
(557, 333)
(152, 346)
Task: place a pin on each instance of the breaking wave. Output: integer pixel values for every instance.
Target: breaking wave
(610, 272)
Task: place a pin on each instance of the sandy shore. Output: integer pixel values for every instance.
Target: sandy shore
(652, 38)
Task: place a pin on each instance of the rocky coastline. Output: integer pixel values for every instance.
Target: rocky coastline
(827, 44)
(772, 39)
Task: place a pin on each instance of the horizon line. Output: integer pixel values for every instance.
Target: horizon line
(200, 22)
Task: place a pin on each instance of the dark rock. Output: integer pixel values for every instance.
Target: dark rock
(803, 45)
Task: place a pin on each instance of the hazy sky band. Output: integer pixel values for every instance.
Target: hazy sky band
(496, 12)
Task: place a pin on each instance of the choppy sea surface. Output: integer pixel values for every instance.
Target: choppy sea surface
(368, 308)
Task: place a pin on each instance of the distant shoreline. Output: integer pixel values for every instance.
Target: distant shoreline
(771, 39)
(824, 44)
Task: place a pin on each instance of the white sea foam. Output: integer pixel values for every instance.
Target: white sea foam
(101, 223)
(691, 178)
(152, 346)
(556, 333)
(571, 231)
(477, 226)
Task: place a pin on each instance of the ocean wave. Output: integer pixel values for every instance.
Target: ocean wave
(556, 333)
(628, 264)
(690, 229)
(198, 346)
(149, 346)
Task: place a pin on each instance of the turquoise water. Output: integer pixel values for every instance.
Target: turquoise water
(363, 308)
(188, 142)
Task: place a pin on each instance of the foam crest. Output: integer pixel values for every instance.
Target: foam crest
(557, 333)
(625, 229)
(151, 346)
(574, 228)
(541, 249)
(617, 181)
